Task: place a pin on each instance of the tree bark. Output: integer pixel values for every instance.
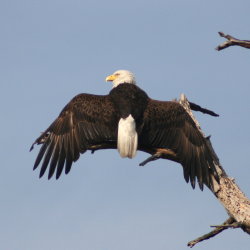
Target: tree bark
(227, 192)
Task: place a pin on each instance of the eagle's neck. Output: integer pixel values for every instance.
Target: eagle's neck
(130, 80)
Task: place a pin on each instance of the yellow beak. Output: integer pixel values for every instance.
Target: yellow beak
(110, 78)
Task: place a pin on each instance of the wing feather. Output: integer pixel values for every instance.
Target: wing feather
(86, 120)
(40, 155)
(168, 125)
(54, 158)
(46, 158)
(61, 160)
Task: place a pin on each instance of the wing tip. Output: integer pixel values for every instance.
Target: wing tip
(32, 147)
(41, 174)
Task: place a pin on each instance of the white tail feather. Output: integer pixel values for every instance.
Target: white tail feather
(127, 137)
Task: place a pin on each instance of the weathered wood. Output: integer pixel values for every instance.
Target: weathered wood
(235, 202)
(227, 191)
(232, 41)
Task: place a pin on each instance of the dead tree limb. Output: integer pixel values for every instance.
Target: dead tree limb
(236, 204)
(196, 107)
(227, 192)
(211, 234)
(232, 41)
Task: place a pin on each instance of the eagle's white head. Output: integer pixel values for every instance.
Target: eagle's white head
(121, 76)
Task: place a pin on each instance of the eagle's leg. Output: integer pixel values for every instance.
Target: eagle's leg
(159, 153)
(153, 157)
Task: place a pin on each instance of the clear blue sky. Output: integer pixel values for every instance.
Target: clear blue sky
(53, 50)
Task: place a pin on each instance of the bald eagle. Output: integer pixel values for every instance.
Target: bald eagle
(126, 119)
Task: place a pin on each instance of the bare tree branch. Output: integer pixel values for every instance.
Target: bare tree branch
(196, 107)
(227, 192)
(211, 234)
(231, 41)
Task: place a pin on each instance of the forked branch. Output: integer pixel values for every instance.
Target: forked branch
(232, 41)
(211, 234)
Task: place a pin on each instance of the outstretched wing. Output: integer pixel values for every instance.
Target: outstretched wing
(168, 125)
(86, 120)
